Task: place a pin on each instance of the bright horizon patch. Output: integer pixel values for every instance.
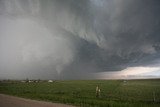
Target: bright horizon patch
(130, 72)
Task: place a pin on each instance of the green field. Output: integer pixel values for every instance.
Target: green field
(114, 93)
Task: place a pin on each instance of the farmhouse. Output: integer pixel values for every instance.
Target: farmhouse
(30, 81)
(50, 80)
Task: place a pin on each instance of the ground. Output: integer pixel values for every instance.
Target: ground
(10, 101)
(139, 93)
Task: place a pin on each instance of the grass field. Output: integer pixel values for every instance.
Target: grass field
(114, 93)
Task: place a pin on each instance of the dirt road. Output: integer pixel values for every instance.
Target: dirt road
(10, 101)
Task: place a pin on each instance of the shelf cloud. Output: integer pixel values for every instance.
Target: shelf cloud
(53, 39)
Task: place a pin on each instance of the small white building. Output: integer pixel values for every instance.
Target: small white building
(50, 80)
(30, 81)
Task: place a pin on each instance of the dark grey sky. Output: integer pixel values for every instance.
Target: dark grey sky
(52, 39)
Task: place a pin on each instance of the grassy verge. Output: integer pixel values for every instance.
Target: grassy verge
(114, 93)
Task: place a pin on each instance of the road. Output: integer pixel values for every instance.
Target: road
(10, 101)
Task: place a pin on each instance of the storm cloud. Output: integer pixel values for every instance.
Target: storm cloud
(73, 38)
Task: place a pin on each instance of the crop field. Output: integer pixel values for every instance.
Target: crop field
(114, 93)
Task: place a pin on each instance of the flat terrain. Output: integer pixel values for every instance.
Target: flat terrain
(114, 93)
(10, 101)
